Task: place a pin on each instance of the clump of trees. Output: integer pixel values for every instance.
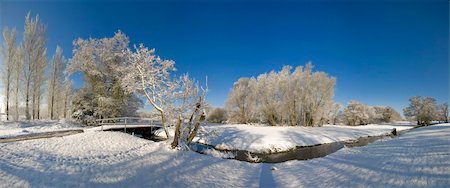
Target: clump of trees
(424, 110)
(288, 97)
(357, 113)
(24, 73)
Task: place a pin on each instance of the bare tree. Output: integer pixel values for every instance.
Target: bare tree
(18, 70)
(56, 81)
(38, 83)
(9, 51)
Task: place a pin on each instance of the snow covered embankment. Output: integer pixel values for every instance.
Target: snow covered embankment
(264, 139)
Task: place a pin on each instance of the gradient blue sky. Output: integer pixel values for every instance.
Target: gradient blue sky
(381, 52)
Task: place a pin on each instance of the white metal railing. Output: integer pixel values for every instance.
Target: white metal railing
(127, 121)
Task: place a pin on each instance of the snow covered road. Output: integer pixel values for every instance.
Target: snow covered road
(420, 158)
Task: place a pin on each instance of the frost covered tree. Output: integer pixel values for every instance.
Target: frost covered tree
(385, 114)
(66, 95)
(98, 60)
(188, 103)
(33, 54)
(145, 73)
(357, 113)
(9, 50)
(240, 100)
(18, 70)
(443, 112)
(55, 87)
(423, 110)
(38, 84)
(334, 112)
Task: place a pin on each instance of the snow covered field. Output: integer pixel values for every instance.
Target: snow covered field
(9, 129)
(111, 159)
(265, 139)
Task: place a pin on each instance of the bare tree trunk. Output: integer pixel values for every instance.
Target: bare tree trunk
(163, 122)
(177, 133)
(7, 101)
(38, 106)
(17, 95)
(27, 101)
(33, 104)
(51, 106)
(65, 105)
(197, 125)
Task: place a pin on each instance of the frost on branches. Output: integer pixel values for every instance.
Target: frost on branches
(146, 74)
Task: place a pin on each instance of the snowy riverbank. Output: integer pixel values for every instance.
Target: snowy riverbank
(112, 159)
(265, 139)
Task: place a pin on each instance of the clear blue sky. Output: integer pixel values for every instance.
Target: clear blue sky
(381, 52)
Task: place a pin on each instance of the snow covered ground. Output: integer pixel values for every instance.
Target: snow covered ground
(10, 129)
(420, 158)
(265, 139)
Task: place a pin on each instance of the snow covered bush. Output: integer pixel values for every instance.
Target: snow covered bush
(217, 115)
(298, 97)
(357, 113)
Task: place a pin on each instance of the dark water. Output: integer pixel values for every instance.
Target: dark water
(141, 132)
(298, 153)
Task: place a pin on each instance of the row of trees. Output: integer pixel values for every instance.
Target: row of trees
(424, 110)
(298, 97)
(24, 69)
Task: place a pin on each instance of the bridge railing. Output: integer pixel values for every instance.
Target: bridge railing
(127, 121)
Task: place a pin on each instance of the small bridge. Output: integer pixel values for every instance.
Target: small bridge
(142, 126)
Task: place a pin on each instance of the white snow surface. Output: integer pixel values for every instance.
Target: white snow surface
(10, 129)
(420, 158)
(266, 139)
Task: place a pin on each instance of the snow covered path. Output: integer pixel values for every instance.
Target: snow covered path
(12, 129)
(110, 159)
